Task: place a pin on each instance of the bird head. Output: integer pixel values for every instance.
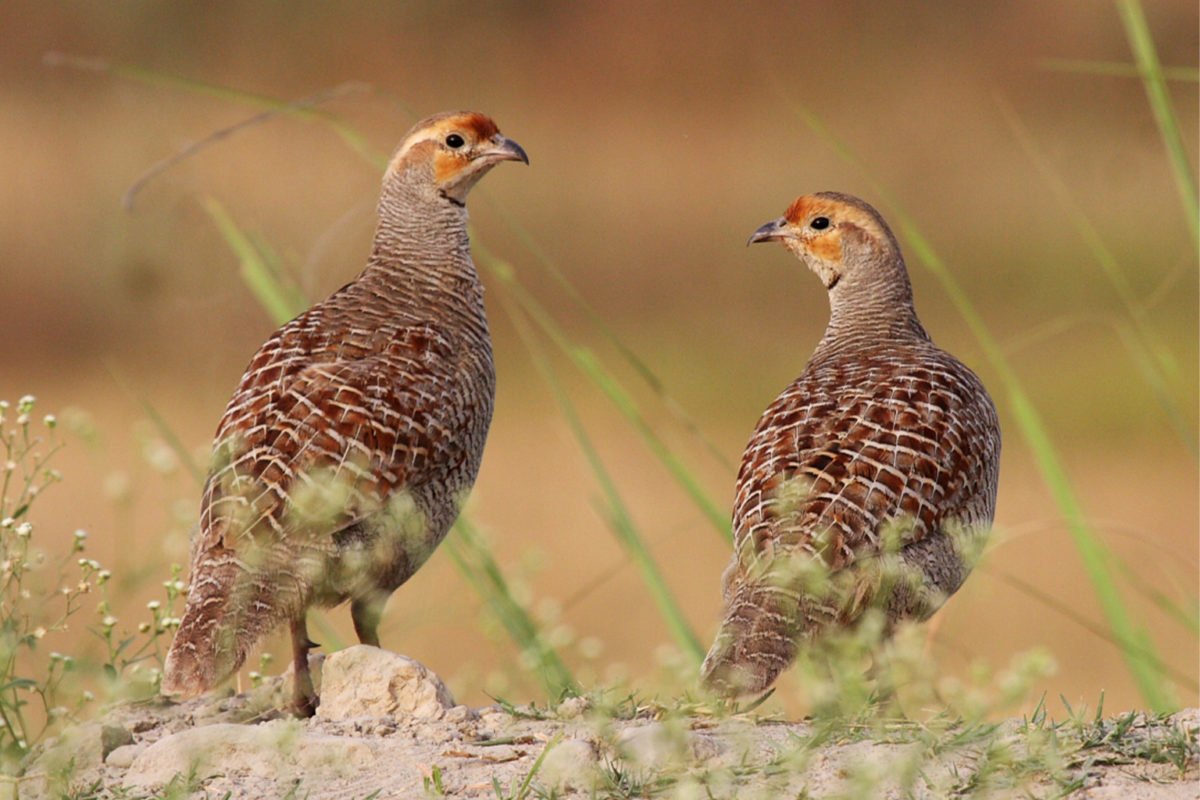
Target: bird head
(450, 152)
(836, 235)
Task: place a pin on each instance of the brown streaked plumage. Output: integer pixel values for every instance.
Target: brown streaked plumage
(358, 427)
(866, 479)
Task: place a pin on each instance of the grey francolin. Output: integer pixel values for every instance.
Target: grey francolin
(871, 480)
(356, 431)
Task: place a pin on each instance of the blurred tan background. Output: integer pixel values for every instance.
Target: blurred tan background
(660, 137)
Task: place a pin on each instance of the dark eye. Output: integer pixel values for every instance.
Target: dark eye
(455, 141)
(820, 223)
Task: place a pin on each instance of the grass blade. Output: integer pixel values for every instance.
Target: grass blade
(613, 389)
(279, 297)
(1153, 358)
(640, 367)
(473, 557)
(1118, 69)
(1029, 589)
(617, 512)
(1138, 651)
(164, 429)
(1146, 56)
(354, 140)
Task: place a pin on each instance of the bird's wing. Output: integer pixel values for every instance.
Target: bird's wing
(315, 441)
(856, 461)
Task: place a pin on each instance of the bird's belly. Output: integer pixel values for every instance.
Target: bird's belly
(379, 553)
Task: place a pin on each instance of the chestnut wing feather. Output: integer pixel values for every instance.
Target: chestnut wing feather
(852, 447)
(366, 422)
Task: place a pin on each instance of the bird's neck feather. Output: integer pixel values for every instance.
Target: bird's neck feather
(421, 257)
(873, 304)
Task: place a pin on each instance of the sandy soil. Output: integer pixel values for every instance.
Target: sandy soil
(241, 746)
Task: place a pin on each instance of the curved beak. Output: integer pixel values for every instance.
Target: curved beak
(773, 231)
(504, 149)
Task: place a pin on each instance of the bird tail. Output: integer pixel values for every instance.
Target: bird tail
(755, 643)
(228, 611)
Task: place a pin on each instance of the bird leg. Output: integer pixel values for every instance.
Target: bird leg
(304, 698)
(366, 613)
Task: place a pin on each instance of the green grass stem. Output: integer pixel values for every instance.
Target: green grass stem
(627, 354)
(473, 557)
(616, 511)
(301, 109)
(1118, 69)
(1153, 358)
(259, 268)
(1157, 92)
(591, 366)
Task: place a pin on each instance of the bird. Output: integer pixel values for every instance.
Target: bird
(345, 452)
(870, 481)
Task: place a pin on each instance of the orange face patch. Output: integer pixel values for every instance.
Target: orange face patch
(826, 245)
(447, 165)
(421, 141)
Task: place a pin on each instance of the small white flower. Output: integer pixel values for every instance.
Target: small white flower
(154, 605)
(39, 632)
(24, 530)
(590, 647)
(50, 421)
(7, 523)
(9, 466)
(80, 535)
(109, 621)
(88, 696)
(23, 419)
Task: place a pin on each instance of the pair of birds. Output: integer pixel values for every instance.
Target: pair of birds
(344, 454)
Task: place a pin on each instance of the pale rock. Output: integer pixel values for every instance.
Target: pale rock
(365, 681)
(570, 765)
(122, 757)
(112, 737)
(572, 707)
(655, 746)
(78, 748)
(460, 714)
(280, 750)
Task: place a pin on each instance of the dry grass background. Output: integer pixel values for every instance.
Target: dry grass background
(660, 138)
